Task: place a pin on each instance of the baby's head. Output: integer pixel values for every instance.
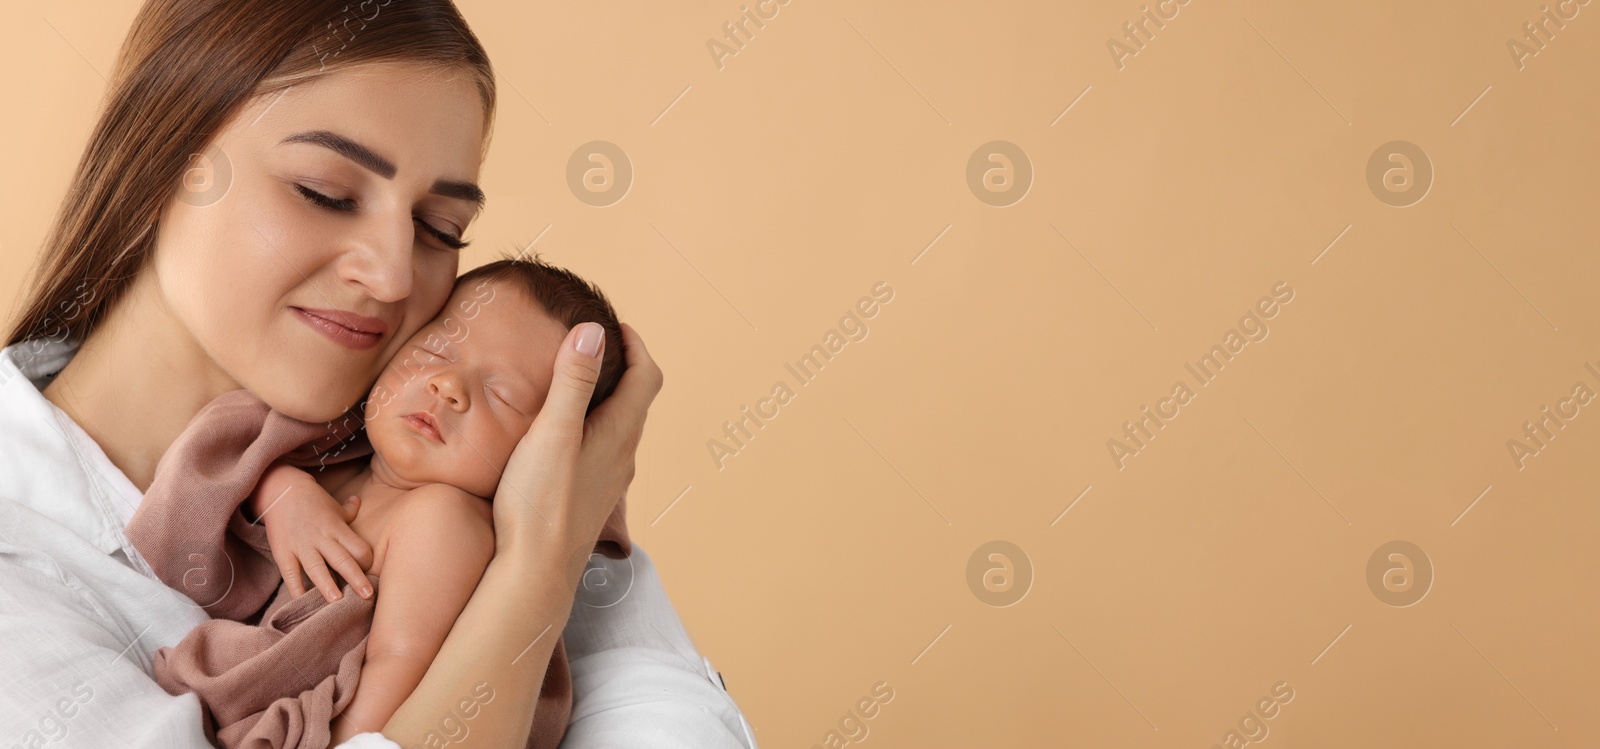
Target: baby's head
(479, 372)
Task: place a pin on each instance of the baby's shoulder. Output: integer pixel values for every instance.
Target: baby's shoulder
(438, 510)
(436, 535)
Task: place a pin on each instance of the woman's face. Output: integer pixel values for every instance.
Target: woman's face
(329, 198)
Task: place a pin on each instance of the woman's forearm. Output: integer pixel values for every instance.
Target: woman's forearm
(483, 686)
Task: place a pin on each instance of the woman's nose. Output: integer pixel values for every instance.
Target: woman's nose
(380, 257)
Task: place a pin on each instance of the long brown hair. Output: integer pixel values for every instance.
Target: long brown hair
(185, 69)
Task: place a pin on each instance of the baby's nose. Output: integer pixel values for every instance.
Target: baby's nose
(449, 389)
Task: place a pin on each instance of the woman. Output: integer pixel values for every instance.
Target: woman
(317, 232)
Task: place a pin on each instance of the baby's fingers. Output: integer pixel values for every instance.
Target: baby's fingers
(323, 579)
(357, 547)
(290, 568)
(349, 508)
(349, 569)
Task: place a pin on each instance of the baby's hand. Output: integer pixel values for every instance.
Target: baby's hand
(307, 529)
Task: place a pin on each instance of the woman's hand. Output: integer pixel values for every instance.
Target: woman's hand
(565, 476)
(307, 529)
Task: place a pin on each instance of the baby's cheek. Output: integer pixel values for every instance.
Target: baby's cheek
(407, 459)
(377, 401)
(476, 460)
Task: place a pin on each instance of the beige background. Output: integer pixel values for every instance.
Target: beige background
(1230, 554)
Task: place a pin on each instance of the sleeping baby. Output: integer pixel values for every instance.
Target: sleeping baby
(442, 421)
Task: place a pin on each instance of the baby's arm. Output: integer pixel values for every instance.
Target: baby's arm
(440, 545)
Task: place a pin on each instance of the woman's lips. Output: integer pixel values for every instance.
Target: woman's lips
(341, 333)
(419, 422)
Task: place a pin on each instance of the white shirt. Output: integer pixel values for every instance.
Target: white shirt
(81, 615)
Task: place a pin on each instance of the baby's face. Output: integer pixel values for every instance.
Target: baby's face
(453, 403)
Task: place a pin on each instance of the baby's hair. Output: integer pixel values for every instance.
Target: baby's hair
(569, 300)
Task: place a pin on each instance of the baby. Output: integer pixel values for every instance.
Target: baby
(442, 419)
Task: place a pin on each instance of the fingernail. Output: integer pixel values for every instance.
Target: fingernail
(590, 337)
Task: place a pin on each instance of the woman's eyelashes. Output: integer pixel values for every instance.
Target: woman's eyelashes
(451, 241)
(347, 205)
(318, 198)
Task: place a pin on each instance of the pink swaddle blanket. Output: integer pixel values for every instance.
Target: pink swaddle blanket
(272, 671)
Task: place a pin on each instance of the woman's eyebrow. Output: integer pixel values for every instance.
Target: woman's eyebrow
(381, 166)
(460, 191)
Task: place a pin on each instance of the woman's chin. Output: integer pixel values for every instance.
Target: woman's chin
(310, 403)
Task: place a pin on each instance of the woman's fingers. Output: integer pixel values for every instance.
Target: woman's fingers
(616, 426)
(640, 383)
(577, 368)
(636, 356)
(572, 465)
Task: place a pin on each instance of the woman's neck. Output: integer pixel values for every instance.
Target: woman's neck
(137, 381)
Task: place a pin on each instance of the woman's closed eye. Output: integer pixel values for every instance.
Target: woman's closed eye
(316, 198)
(450, 240)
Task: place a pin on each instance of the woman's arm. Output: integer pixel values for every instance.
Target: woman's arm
(441, 542)
(563, 480)
(78, 627)
(639, 681)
